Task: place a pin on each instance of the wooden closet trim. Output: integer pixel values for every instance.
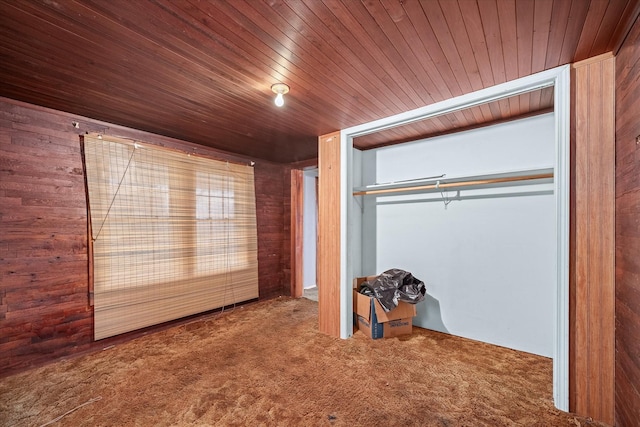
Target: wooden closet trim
(592, 239)
(329, 254)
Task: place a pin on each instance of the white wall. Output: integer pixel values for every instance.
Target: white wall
(310, 226)
(489, 258)
(355, 225)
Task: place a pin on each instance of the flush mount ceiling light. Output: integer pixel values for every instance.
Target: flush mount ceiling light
(280, 89)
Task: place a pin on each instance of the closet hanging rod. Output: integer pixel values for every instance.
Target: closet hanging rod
(445, 185)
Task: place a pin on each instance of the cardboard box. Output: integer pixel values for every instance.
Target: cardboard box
(371, 318)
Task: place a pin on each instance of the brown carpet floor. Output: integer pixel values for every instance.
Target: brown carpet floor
(267, 365)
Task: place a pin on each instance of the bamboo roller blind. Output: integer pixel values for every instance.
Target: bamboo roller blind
(173, 234)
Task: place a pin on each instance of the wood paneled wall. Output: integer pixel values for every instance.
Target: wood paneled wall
(328, 229)
(272, 215)
(592, 239)
(43, 238)
(627, 390)
(44, 305)
(286, 237)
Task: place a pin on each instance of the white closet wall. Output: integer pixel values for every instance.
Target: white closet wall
(489, 257)
(310, 229)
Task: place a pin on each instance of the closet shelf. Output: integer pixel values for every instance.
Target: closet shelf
(521, 177)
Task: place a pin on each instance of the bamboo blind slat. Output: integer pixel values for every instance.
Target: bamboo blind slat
(173, 234)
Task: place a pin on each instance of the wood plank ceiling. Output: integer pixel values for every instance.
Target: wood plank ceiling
(201, 71)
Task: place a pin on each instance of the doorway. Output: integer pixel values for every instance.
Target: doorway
(304, 232)
(310, 234)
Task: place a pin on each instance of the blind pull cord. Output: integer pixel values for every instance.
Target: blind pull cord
(135, 146)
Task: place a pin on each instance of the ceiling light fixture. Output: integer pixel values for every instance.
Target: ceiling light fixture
(280, 89)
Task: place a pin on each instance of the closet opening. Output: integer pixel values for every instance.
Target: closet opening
(472, 215)
(493, 252)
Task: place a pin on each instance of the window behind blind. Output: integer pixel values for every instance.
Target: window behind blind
(173, 234)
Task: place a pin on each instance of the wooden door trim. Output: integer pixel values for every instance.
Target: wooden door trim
(297, 232)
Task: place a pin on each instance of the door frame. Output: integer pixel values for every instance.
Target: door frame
(296, 285)
(297, 232)
(559, 79)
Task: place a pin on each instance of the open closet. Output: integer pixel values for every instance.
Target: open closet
(481, 216)
(479, 230)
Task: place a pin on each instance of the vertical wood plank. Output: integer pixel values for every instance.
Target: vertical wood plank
(573, 27)
(627, 181)
(509, 37)
(592, 270)
(329, 234)
(591, 25)
(559, 15)
(541, 31)
(608, 226)
(488, 10)
(297, 232)
(578, 274)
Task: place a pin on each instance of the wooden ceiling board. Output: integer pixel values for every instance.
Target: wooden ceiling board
(461, 37)
(491, 28)
(103, 63)
(601, 18)
(291, 54)
(432, 57)
(201, 70)
(575, 26)
(327, 66)
(488, 10)
(629, 17)
(508, 38)
(340, 64)
(350, 42)
(593, 20)
(390, 61)
(541, 29)
(472, 22)
(434, 61)
(186, 88)
(559, 17)
(401, 32)
(428, 129)
(245, 87)
(524, 36)
(348, 46)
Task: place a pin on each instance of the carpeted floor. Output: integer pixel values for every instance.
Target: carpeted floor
(266, 365)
